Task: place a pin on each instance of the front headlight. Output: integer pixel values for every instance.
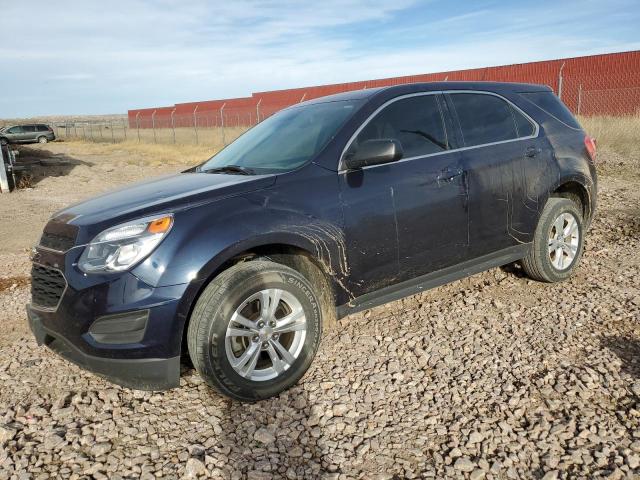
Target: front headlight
(119, 248)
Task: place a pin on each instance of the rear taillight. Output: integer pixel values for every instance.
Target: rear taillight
(590, 144)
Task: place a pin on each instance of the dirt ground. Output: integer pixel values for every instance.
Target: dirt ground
(494, 376)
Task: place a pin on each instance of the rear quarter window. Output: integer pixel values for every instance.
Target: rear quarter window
(524, 126)
(551, 104)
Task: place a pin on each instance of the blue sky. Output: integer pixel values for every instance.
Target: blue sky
(89, 57)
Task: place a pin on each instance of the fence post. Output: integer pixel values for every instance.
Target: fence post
(124, 128)
(560, 81)
(258, 111)
(173, 126)
(84, 134)
(113, 139)
(75, 131)
(579, 97)
(138, 125)
(153, 125)
(224, 142)
(195, 122)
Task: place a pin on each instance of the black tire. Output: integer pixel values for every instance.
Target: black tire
(4, 141)
(43, 139)
(211, 316)
(538, 264)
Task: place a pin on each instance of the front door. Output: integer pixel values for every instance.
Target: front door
(410, 217)
(16, 134)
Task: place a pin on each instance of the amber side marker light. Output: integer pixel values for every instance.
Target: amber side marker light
(160, 225)
(590, 144)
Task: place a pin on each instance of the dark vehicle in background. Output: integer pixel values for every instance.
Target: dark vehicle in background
(32, 133)
(326, 208)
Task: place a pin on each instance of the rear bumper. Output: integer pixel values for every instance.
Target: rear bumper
(137, 373)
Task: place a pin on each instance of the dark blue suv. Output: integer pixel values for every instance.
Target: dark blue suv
(328, 207)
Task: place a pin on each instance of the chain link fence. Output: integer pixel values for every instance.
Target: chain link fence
(179, 129)
(586, 96)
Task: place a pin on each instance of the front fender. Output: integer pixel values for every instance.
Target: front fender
(304, 214)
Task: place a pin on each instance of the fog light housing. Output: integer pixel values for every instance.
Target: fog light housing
(120, 328)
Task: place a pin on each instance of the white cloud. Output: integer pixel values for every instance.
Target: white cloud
(92, 57)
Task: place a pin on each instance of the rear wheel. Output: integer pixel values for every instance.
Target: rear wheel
(42, 140)
(557, 244)
(255, 330)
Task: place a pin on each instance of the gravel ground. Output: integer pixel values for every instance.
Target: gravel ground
(494, 376)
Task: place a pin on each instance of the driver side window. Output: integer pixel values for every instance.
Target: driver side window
(416, 122)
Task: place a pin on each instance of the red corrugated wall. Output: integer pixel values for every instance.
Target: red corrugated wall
(606, 84)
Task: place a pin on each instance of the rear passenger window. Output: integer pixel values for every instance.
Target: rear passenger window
(484, 118)
(416, 122)
(29, 128)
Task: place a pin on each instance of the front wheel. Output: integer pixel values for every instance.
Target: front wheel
(557, 244)
(255, 330)
(4, 141)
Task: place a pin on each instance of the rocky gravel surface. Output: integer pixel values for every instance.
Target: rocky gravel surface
(494, 377)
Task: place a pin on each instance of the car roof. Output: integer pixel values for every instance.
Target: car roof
(393, 90)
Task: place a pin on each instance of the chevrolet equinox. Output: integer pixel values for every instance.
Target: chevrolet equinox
(329, 207)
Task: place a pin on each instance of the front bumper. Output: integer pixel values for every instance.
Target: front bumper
(115, 325)
(140, 373)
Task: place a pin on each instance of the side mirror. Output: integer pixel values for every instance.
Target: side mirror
(374, 152)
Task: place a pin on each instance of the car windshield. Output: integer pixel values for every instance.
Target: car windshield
(286, 140)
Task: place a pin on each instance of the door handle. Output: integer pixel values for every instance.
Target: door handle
(532, 152)
(449, 173)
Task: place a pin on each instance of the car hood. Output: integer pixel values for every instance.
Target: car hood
(162, 194)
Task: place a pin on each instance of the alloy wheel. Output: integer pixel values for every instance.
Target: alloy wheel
(266, 334)
(564, 239)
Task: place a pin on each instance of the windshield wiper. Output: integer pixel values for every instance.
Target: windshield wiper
(231, 169)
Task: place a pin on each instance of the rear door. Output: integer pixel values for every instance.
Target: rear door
(503, 158)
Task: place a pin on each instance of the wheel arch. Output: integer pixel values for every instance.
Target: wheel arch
(577, 189)
(293, 254)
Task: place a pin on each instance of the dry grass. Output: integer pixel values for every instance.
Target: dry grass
(618, 140)
(146, 153)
